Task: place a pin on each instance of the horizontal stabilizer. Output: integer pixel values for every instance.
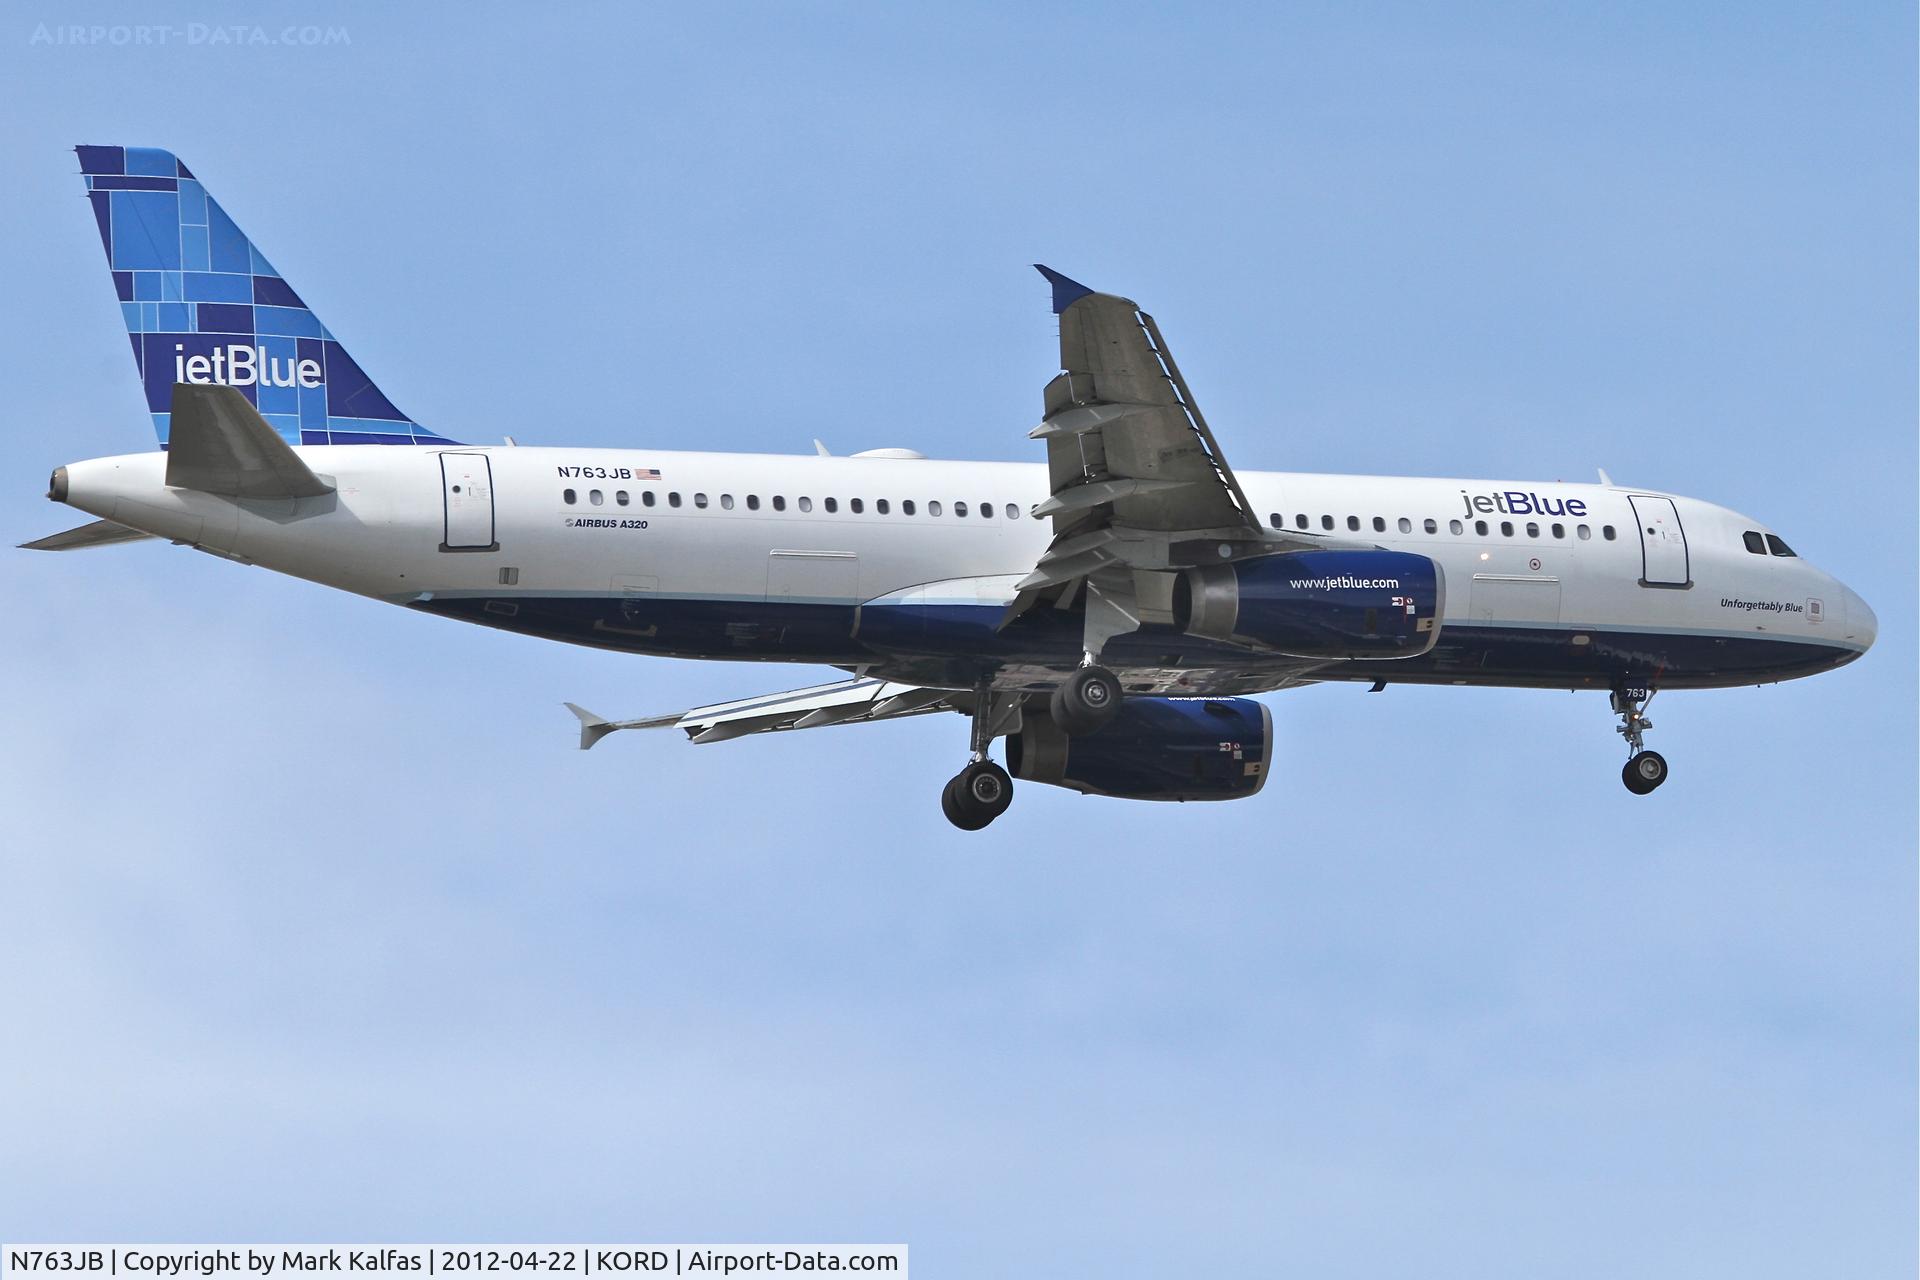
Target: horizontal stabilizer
(593, 728)
(101, 533)
(220, 444)
(845, 702)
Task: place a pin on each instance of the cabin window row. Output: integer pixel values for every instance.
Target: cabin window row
(854, 506)
(1457, 528)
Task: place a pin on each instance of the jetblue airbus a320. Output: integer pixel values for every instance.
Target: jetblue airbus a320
(1107, 612)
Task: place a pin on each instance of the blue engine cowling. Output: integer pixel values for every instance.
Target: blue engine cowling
(1154, 749)
(1317, 604)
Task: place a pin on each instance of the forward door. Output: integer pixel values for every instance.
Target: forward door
(1663, 543)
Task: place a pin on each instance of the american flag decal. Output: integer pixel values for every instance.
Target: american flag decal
(646, 473)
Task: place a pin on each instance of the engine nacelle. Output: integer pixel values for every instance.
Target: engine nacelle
(1317, 604)
(1154, 749)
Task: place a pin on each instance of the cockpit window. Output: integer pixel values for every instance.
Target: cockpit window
(1755, 543)
(1775, 545)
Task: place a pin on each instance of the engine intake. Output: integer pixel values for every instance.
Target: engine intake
(1317, 604)
(1154, 749)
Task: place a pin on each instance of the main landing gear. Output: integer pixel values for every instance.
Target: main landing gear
(1086, 700)
(1083, 703)
(1645, 769)
(982, 791)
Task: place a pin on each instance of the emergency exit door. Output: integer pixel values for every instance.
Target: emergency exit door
(466, 480)
(1663, 543)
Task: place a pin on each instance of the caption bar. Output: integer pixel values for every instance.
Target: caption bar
(282, 1261)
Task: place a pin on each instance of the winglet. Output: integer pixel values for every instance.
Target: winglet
(1066, 292)
(592, 727)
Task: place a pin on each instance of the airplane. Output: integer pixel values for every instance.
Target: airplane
(1108, 612)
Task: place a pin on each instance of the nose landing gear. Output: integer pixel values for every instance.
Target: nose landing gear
(1644, 769)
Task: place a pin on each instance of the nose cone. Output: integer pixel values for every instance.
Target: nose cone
(1862, 626)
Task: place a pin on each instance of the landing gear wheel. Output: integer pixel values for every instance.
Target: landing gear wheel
(1644, 772)
(977, 795)
(1086, 700)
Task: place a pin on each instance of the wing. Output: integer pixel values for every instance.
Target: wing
(843, 702)
(1139, 487)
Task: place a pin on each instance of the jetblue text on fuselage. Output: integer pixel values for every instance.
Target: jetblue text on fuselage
(1520, 502)
(243, 367)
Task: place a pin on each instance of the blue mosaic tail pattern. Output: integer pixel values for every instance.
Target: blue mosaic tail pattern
(203, 305)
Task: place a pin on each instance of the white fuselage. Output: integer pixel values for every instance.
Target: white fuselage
(722, 534)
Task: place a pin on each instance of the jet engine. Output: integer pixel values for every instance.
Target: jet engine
(1153, 749)
(1317, 604)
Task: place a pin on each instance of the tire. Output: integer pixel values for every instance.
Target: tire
(954, 806)
(1085, 701)
(1644, 772)
(986, 786)
(976, 795)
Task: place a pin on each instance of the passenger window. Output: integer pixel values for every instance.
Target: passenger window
(1379, 524)
(832, 505)
(569, 497)
(1582, 532)
(1276, 521)
(933, 508)
(1300, 521)
(1755, 543)
(1406, 525)
(1506, 528)
(1455, 528)
(779, 503)
(726, 502)
(806, 504)
(1326, 522)
(906, 507)
(1431, 525)
(1559, 531)
(880, 506)
(959, 508)
(646, 497)
(1480, 527)
(673, 499)
(753, 502)
(596, 497)
(700, 501)
(986, 511)
(1606, 531)
(620, 496)
(1533, 530)
(1353, 523)
(1013, 511)
(1778, 547)
(856, 506)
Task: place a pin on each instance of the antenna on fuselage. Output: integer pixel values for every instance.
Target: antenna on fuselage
(1605, 479)
(820, 448)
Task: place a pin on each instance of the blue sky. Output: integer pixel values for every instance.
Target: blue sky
(319, 928)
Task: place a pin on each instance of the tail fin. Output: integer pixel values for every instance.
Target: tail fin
(204, 306)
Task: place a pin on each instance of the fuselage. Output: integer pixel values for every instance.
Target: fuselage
(770, 557)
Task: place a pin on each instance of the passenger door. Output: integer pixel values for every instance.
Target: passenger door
(466, 481)
(1663, 543)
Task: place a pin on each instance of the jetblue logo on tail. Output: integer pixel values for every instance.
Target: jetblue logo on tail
(243, 367)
